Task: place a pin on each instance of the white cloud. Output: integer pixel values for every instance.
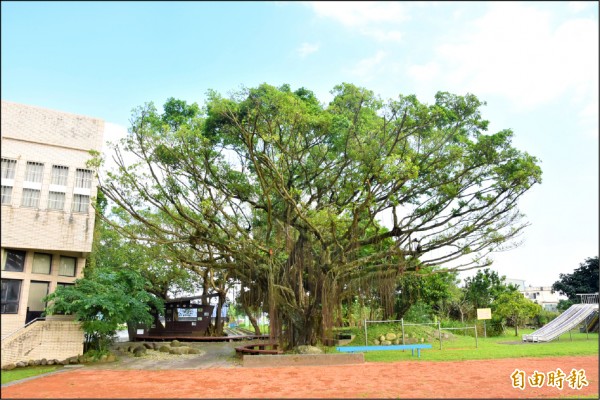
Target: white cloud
(359, 13)
(382, 35)
(112, 134)
(588, 117)
(368, 18)
(425, 72)
(368, 68)
(514, 51)
(577, 6)
(307, 48)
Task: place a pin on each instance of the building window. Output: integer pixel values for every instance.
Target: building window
(56, 201)
(67, 266)
(34, 172)
(59, 175)
(31, 198)
(35, 300)
(8, 168)
(62, 284)
(11, 292)
(8, 175)
(41, 263)
(83, 178)
(14, 260)
(6, 194)
(80, 203)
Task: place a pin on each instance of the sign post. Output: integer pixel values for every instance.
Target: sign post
(484, 313)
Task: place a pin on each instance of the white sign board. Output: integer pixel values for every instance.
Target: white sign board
(484, 313)
(187, 314)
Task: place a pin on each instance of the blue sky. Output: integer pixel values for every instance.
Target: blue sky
(534, 63)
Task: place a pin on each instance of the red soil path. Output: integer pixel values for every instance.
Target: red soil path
(406, 379)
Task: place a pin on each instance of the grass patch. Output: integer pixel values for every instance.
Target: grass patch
(27, 372)
(460, 347)
(264, 328)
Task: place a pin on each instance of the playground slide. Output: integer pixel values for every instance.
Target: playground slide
(566, 321)
(593, 325)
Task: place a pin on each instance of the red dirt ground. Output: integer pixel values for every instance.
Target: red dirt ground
(412, 379)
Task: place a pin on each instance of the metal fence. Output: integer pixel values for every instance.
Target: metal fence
(439, 326)
(588, 298)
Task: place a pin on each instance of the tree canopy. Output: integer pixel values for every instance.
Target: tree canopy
(306, 204)
(584, 280)
(486, 286)
(102, 300)
(516, 308)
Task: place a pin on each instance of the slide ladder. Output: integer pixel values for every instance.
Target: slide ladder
(575, 315)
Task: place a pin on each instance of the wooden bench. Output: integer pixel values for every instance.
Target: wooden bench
(412, 347)
(259, 348)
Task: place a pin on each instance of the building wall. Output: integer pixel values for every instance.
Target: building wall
(39, 125)
(543, 296)
(52, 138)
(12, 322)
(57, 338)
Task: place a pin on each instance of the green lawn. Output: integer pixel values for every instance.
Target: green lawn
(463, 348)
(264, 329)
(27, 372)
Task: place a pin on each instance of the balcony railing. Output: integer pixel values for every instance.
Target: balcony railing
(588, 298)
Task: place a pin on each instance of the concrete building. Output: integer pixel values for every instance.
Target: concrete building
(47, 213)
(543, 296)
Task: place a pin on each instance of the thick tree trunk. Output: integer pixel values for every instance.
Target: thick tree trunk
(218, 319)
(131, 330)
(247, 307)
(253, 322)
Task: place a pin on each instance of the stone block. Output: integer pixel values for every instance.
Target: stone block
(179, 350)
(309, 350)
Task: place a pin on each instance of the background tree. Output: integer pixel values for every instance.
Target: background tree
(111, 251)
(485, 287)
(434, 289)
(102, 300)
(286, 193)
(583, 280)
(458, 307)
(515, 308)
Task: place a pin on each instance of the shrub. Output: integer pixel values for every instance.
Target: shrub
(543, 317)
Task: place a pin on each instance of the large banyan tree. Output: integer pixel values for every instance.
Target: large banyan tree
(308, 204)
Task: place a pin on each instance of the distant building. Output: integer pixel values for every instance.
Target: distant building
(47, 213)
(543, 296)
